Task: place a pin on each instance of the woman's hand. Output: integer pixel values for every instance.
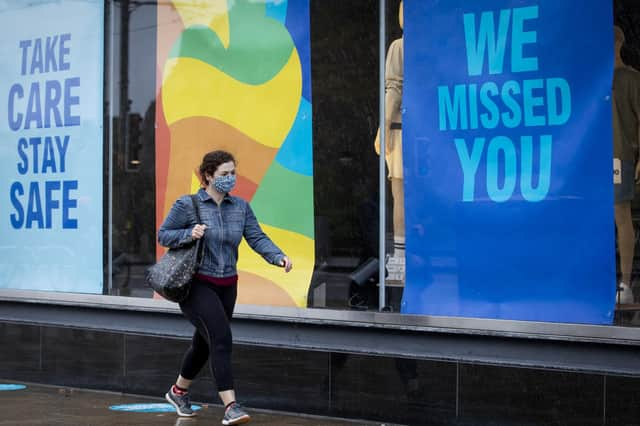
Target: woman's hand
(198, 231)
(286, 263)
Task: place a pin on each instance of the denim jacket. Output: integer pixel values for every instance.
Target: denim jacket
(226, 225)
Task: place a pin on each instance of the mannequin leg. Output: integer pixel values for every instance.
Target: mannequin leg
(396, 263)
(626, 239)
(397, 190)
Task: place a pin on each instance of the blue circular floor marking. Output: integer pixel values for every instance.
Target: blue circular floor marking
(4, 387)
(148, 408)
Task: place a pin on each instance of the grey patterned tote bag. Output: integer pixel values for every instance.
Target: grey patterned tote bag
(171, 276)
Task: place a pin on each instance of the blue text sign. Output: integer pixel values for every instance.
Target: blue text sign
(507, 149)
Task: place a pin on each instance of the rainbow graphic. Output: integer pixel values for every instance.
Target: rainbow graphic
(235, 75)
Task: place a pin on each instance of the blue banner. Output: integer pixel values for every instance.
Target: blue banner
(51, 103)
(507, 147)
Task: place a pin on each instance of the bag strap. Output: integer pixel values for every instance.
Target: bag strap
(200, 249)
(196, 206)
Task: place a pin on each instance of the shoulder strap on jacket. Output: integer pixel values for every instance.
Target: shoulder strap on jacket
(200, 249)
(196, 206)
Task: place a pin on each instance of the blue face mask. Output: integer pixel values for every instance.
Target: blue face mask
(224, 184)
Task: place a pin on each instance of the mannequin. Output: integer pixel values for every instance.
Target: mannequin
(626, 119)
(394, 76)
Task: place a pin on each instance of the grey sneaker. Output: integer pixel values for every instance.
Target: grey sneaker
(181, 403)
(235, 415)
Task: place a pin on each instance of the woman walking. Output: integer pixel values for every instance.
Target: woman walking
(209, 306)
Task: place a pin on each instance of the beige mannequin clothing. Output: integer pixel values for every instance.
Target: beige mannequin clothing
(397, 191)
(393, 100)
(394, 77)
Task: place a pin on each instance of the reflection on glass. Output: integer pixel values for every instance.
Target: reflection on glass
(345, 104)
(133, 100)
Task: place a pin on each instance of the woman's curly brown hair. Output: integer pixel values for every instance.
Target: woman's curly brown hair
(211, 161)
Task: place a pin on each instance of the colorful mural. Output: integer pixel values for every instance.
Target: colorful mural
(235, 75)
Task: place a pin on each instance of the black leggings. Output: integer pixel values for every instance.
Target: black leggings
(209, 308)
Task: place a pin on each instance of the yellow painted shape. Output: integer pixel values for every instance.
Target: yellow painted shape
(220, 26)
(301, 251)
(195, 183)
(209, 13)
(263, 112)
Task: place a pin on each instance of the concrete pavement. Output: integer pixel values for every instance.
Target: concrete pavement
(50, 405)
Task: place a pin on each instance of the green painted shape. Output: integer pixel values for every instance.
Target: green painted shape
(284, 199)
(259, 46)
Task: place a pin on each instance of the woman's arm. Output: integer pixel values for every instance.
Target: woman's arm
(176, 229)
(259, 241)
